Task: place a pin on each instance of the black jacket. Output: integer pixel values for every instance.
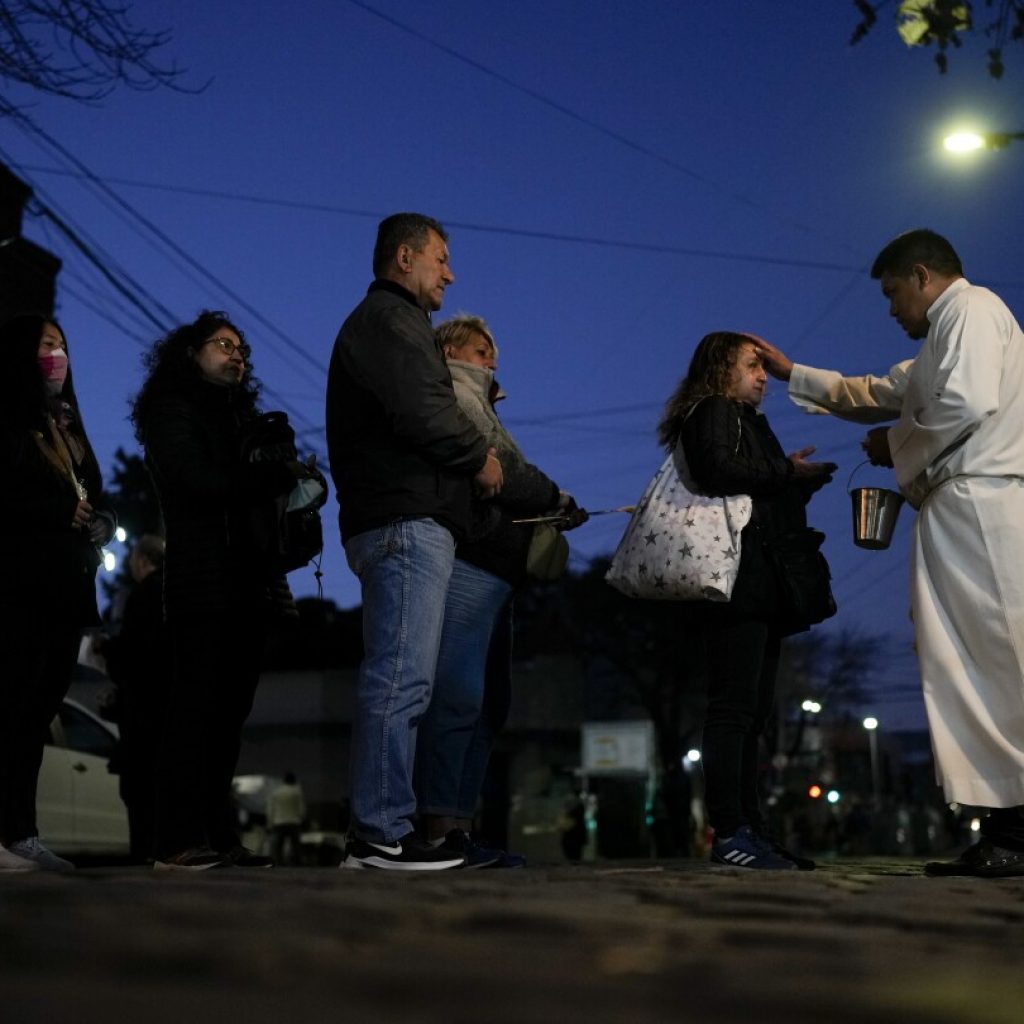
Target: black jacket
(731, 449)
(193, 450)
(398, 444)
(50, 568)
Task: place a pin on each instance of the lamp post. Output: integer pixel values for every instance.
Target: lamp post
(871, 724)
(969, 141)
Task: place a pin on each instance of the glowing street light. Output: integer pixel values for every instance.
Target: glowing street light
(871, 724)
(971, 141)
(693, 756)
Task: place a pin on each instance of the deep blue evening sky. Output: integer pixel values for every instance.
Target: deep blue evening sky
(618, 179)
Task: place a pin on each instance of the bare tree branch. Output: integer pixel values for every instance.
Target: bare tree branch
(78, 49)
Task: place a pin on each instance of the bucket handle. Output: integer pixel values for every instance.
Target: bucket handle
(849, 490)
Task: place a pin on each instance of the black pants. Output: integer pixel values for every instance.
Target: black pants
(1004, 826)
(742, 660)
(38, 660)
(216, 663)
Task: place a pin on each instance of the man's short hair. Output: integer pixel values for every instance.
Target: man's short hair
(459, 331)
(922, 246)
(411, 229)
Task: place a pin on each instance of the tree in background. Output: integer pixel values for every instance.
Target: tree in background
(634, 654)
(946, 22)
(77, 49)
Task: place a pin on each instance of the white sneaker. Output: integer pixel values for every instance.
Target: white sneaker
(33, 850)
(11, 862)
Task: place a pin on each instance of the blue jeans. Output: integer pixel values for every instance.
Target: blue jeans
(403, 569)
(453, 750)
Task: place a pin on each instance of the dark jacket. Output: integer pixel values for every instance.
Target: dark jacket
(193, 450)
(49, 567)
(398, 444)
(731, 449)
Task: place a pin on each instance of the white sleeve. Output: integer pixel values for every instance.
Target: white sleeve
(865, 399)
(962, 394)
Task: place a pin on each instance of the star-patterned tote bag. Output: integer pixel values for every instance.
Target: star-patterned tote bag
(680, 545)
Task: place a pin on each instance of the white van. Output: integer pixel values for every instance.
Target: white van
(78, 806)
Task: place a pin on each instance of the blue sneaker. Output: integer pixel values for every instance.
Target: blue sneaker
(461, 844)
(746, 849)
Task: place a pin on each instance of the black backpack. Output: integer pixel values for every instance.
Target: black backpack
(285, 539)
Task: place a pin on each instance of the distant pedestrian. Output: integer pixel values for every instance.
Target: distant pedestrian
(220, 597)
(53, 519)
(286, 812)
(572, 827)
(958, 452)
(404, 460)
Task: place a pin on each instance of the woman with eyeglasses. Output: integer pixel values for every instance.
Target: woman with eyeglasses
(219, 597)
(53, 519)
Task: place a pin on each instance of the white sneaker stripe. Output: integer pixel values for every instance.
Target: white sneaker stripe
(738, 857)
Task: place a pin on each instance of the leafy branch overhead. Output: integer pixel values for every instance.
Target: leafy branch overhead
(946, 23)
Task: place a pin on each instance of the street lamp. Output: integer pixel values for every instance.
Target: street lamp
(871, 724)
(968, 142)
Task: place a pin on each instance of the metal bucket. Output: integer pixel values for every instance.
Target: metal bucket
(875, 510)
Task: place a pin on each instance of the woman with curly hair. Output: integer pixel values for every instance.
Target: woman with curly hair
(53, 518)
(219, 595)
(730, 449)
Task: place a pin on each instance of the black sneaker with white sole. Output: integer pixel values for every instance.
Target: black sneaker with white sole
(407, 854)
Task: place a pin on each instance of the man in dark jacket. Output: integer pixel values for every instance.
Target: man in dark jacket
(405, 460)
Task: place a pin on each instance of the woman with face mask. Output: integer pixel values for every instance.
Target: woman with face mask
(53, 519)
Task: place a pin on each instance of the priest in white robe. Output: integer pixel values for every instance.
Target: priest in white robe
(958, 451)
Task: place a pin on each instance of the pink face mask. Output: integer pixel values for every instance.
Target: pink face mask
(54, 367)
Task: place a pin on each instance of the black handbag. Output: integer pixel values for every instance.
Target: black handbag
(805, 580)
(282, 536)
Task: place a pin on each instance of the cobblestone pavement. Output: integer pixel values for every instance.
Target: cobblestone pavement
(865, 941)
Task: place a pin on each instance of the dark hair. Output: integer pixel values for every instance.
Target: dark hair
(24, 400)
(151, 547)
(171, 367)
(922, 246)
(402, 229)
(708, 374)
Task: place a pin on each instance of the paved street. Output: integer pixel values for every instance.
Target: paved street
(861, 941)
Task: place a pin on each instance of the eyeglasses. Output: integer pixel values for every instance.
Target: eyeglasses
(228, 347)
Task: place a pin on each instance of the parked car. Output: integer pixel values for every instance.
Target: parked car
(78, 805)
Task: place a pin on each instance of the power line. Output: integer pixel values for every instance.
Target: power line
(490, 229)
(561, 108)
(83, 171)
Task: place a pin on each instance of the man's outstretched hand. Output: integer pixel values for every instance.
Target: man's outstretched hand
(775, 362)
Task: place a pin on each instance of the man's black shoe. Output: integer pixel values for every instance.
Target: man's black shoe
(408, 854)
(994, 861)
(982, 860)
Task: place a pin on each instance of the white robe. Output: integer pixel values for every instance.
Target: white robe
(958, 451)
